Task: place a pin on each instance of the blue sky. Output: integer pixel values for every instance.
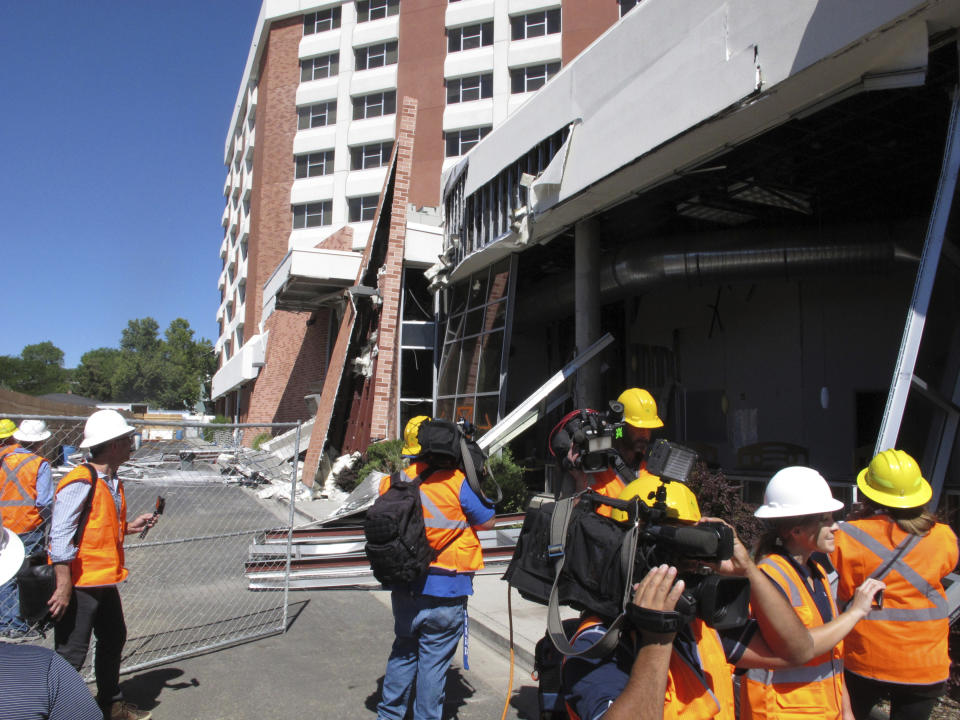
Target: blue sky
(114, 119)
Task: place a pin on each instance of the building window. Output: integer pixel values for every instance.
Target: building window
(375, 105)
(470, 88)
(460, 141)
(469, 37)
(375, 155)
(321, 21)
(313, 214)
(374, 56)
(532, 77)
(318, 115)
(535, 24)
(376, 9)
(314, 164)
(362, 209)
(319, 67)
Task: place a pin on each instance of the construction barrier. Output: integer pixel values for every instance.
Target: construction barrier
(187, 591)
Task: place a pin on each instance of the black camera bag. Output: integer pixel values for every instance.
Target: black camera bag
(583, 560)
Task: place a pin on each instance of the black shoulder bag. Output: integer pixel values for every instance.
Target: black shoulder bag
(36, 580)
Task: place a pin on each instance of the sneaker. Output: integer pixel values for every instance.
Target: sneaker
(121, 710)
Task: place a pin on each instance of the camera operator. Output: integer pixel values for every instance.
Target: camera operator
(639, 417)
(665, 668)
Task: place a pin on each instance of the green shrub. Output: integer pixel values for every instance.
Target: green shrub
(383, 456)
(261, 439)
(509, 476)
(209, 432)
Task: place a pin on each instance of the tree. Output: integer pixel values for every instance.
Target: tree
(95, 373)
(168, 372)
(38, 371)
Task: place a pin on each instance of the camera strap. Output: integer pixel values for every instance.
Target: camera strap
(472, 478)
(560, 522)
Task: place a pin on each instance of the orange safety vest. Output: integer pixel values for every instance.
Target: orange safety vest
(99, 559)
(444, 519)
(609, 484)
(815, 688)
(906, 641)
(18, 496)
(688, 697)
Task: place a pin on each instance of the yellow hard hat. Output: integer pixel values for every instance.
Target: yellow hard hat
(681, 502)
(7, 428)
(411, 442)
(639, 408)
(893, 479)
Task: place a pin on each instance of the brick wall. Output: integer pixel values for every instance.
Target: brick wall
(386, 379)
(273, 166)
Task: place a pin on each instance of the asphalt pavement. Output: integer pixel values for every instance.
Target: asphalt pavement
(329, 664)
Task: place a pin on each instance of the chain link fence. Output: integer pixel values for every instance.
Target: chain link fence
(188, 588)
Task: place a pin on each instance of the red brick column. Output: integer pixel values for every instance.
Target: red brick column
(386, 378)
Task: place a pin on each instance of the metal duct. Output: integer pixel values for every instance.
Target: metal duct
(635, 270)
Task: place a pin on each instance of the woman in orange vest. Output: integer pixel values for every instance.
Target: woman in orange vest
(799, 510)
(900, 650)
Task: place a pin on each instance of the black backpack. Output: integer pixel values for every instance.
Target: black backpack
(397, 546)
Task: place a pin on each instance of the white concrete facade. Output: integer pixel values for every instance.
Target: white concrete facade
(343, 183)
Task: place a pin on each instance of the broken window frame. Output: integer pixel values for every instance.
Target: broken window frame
(484, 216)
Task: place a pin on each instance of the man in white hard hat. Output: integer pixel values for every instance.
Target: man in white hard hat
(86, 600)
(34, 681)
(26, 497)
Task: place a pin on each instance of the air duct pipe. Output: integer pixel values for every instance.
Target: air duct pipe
(634, 269)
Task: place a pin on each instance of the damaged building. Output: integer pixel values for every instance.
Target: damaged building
(311, 153)
(755, 200)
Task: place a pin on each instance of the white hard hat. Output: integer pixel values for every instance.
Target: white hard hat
(797, 491)
(32, 431)
(11, 553)
(103, 426)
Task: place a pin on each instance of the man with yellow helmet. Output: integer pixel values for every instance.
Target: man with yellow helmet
(640, 418)
(684, 673)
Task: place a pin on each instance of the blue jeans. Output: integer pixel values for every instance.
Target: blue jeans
(10, 621)
(427, 631)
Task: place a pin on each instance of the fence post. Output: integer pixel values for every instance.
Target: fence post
(293, 500)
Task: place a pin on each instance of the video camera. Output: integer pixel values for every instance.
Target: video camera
(603, 556)
(591, 434)
(718, 601)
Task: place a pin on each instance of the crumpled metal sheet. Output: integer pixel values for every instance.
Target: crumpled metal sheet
(360, 499)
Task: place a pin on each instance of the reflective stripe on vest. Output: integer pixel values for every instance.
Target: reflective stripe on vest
(803, 674)
(12, 478)
(795, 598)
(18, 494)
(445, 522)
(940, 610)
(794, 692)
